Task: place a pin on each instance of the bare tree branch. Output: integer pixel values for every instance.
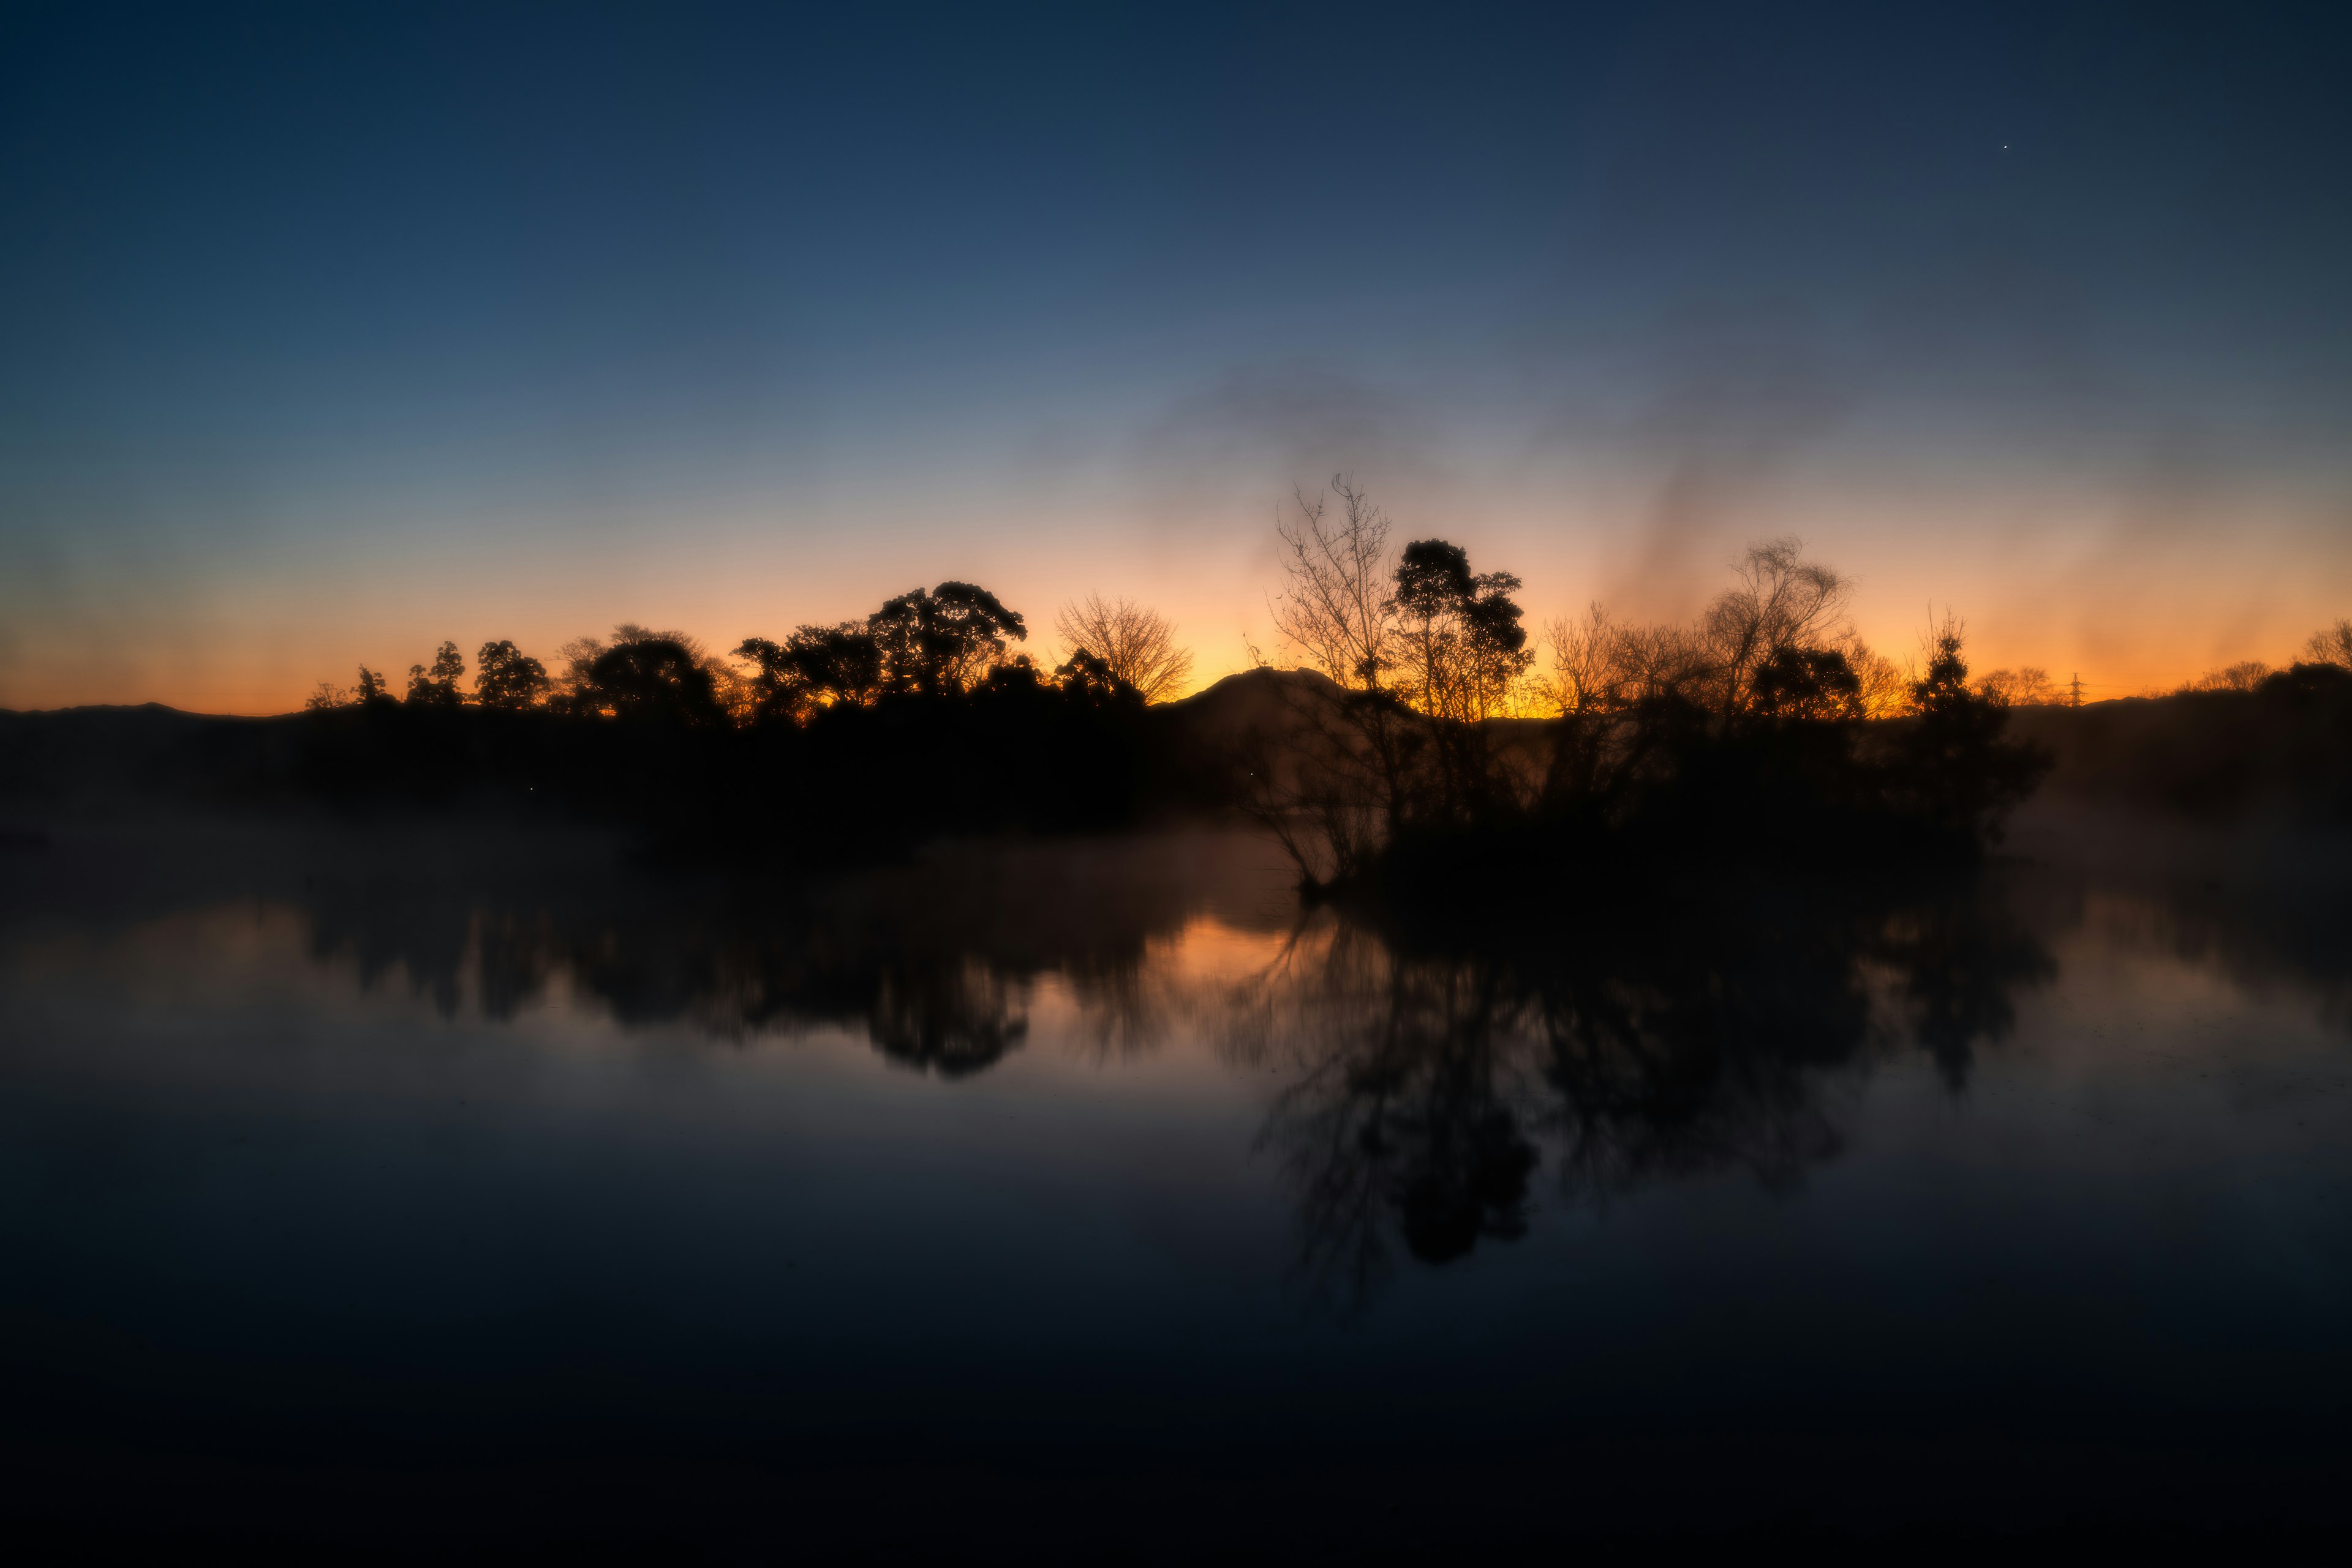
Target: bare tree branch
(1135, 644)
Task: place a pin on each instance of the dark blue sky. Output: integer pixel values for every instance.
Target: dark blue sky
(325, 332)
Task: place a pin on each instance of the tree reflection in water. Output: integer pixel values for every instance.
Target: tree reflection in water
(1428, 1076)
(933, 964)
(1429, 1079)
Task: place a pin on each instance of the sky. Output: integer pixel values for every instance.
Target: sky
(328, 332)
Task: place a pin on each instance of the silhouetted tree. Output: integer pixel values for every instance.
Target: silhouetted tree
(1337, 610)
(2243, 676)
(1782, 619)
(779, 694)
(936, 642)
(579, 691)
(1884, 688)
(1583, 663)
(372, 687)
(2331, 645)
(1781, 601)
(816, 666)
(507, 678)
(1814, 685)
(1963, 776)
(1018, 674)
(1132, 644)
(1462, 647)
(842, 666)
(1093, 680)
(1335, 801)
(652, 679)
(2024, 687)
(437, 688)
(1736, 736)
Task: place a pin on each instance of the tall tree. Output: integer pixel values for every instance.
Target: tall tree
(507, 678)
(1781, 601)
(579, 690)
(437, 687)
(815, 668)
(1460, 645)
(937, 642)
(1335, 611)
(1965, 776)
(645, 677)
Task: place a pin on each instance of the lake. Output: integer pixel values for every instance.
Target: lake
(431, 1186)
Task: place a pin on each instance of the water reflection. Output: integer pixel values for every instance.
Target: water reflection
(415, 1152)
(1672, 1038)
(934, 963)
(1427, 1091)
(1432, 1089)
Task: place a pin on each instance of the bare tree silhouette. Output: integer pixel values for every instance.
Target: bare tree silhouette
(2028, 686)
(2332, 644)
(1781, 601)
(2243, 676)
(1132, 644)
(1336, 609)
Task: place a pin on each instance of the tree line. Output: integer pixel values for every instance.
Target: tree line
(940, 643)
(1742, 730)
(838, 742)
(1763, 727)
(1422, 731)
(2329, 648)
(1417, 625)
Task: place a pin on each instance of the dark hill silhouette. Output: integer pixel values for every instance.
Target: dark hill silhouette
(1243, 718)
(86, 757)
(2282, 750)
(1252, 699)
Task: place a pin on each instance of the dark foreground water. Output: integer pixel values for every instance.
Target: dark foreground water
(432, 1190)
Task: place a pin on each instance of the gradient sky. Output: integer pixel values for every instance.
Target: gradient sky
(325, 334)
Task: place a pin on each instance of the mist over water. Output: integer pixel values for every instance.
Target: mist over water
(1521, 784)
(571, 1192)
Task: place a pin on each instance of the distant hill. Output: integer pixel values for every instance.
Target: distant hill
(1256, 703)
(2283, 749)
(95, 755)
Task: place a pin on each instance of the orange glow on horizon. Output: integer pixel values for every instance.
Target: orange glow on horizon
(2083, 596)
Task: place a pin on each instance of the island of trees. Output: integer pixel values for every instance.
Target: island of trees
(1410, 731)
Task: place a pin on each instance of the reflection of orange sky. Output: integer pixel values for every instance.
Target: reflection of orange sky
(1210, 952)
(2131, 592)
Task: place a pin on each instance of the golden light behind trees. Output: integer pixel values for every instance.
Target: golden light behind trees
(1136, 644)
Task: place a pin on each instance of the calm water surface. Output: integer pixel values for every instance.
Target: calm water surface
(400, 1183)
